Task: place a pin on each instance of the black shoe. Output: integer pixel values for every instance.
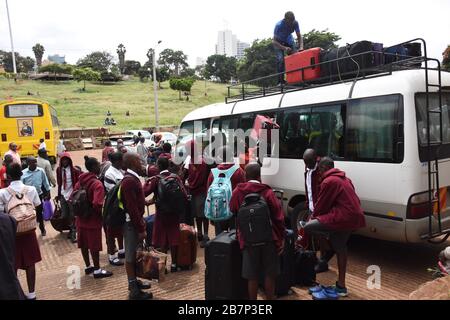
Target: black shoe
(43, 233)
(103, 274)
(321, 266)
(116, 263)
(121, 255)
(137, 294)
(143, 285)
(89, 270)
(173, 269)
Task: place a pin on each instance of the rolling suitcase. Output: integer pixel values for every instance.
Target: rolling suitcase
(149, 221)
(304, 272)
(303, 59)
(187, 249)
(223, 259)
(395, 53)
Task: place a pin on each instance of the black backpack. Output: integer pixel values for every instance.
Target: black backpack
(170, 197)
(304, 272)
(113, 209)
(80, 203)
(254, 221)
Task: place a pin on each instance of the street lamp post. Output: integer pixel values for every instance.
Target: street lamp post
(11, 38)
(155, 88)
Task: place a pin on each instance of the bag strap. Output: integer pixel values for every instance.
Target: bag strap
(215, 173)
(229, 172)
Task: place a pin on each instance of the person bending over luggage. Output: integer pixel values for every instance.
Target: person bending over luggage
(134, 228)
(27, 252)
(263, 246)
(225, 166)
(337, 212)
(89, 227)
(113, 176)
(283, 41)
(171, 199)
(198, 173)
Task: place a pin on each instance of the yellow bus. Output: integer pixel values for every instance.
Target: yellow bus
(25, 122)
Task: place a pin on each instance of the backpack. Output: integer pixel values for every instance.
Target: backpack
(113, 209)
(217, 205)
(81, 205)
(22, 209)
(103, 168)
(170, 196)
(254, 221)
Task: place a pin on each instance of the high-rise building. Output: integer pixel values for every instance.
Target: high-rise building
(241, 46)
(226, 43)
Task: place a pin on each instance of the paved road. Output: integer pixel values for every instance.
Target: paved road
(403, 270)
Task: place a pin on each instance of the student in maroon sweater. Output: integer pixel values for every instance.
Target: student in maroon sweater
(261, 259)
(198, 173)
(338, 212)
(226, 162)
(89, 228)
(135, 229)
(166, 228)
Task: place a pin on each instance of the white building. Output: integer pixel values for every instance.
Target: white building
(241, 46)
(229, 45)
(200, 61)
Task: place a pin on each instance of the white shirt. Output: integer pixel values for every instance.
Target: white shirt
(18, 186)
(66, 193)
(254, 181)
(112, 174)
(15, 155)
(309, 173)
(43, 146)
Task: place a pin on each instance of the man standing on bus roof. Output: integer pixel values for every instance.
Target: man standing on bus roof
(13, 152)
(283, 40)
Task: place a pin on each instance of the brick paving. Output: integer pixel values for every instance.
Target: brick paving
(403, 270)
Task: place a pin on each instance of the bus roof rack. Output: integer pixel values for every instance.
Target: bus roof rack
(267, 86)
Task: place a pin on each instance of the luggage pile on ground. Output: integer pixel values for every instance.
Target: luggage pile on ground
(354, 60)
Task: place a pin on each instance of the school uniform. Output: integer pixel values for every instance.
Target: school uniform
(89, 229)
(198, 173)
(27, 246)
(262, 259)
(113, 176)
(166, 228)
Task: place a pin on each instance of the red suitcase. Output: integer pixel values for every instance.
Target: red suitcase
(299, 60)
(187, 250)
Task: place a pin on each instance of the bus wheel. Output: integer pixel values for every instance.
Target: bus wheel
(298, 214)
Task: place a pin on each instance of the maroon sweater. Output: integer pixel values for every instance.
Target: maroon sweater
(134, 200)
(75, 173)
(338, 207)
(96, 195)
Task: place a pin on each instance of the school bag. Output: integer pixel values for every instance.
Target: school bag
(80, 203)
(217, 205)
(22, 209)
(113, 209)
(254, 221)
(170, 197)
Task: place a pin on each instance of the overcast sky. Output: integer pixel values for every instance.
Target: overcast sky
(76, 27)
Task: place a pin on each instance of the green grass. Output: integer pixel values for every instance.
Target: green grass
(88, 109)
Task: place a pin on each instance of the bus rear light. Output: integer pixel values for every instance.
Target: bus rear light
(47, 135)
(4, 137)
(418, 206)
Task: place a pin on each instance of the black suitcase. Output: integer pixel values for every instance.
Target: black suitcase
(304, 273)
(414, 49)
(348, 67)
(223, 259)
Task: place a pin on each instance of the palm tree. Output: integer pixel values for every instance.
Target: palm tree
(38, 50)
(121, 53)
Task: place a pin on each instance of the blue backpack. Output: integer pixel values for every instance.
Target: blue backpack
(217, 204)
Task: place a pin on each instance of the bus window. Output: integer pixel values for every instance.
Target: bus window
(246, 122)
(227, 126)
(434, 128)
(23, 110)
(327, 131)
(371, 129)
(186, 132)
(54, 115)
(294, 133)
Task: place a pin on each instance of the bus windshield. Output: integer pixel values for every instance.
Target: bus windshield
(23, 110)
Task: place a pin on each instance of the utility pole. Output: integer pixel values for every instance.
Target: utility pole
(155, 88)
(11, 38)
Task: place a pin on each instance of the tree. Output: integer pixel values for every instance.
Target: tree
(56, 69)
(321, 39)
(121, 53)
(131, 67)
(85, 74)
(446, 59)
(200, 71)
(97, 61)
(259, 61)
(38, 50)
(112, 75)
(23, 64)
(221, 67)
(162, 72)
(182, 85)
(187, 73)
(175, 61)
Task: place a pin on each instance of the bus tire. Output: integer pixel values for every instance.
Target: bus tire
(299, 213)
